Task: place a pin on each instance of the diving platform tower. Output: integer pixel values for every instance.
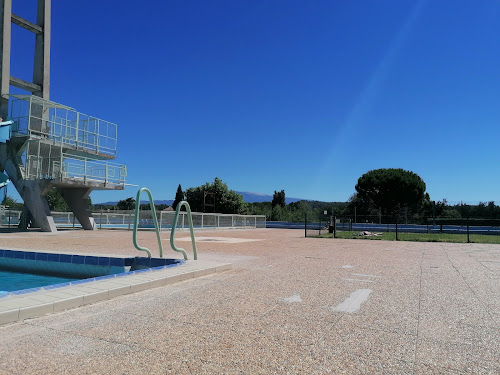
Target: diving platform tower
(49, 144)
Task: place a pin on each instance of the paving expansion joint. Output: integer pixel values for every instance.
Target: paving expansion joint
(32, 305)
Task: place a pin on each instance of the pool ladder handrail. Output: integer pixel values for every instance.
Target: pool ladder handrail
(155, 220)
(191, 229)
(157, 228)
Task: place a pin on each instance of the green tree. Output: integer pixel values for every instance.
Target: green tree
(260, 208)
(226, 201)
(450, 212)
(12, 203)
(56, 201)
(299, 210)
(279, 213)
(390, 189)
(126, 204)
(179, 197)
(492, 210)
(279, 199)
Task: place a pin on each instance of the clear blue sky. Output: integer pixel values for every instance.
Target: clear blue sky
(304, 96)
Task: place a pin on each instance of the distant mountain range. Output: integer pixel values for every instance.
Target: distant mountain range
(256, 197)
(247, 197)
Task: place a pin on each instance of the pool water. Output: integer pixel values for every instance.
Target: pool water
(12, 281)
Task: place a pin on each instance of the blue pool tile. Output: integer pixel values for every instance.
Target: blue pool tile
(118, 262)
(142, 261)
(4, 294)
(24, 291)
(143, 270)
(157, 268)
(104, 277)
(78, 259)
(56, 285)
(82, 281)
(129, 262)
(156, 262)
(65, 258)
(42, 256)
(18, 254)
(8, 254)
(93, 261)
(124, 274)
(30, 255)
(53, 257)
(103, 261)
(1, 253)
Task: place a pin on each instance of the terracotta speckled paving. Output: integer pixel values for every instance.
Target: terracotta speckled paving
(289, 305)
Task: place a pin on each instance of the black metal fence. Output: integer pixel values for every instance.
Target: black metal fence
(395, 228)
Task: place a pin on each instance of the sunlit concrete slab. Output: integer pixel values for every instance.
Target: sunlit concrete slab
(289, 304)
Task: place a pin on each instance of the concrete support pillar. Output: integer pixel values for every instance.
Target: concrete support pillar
(41, 65)
(36, 203)
(31, 191)
(5, 29)
(76, 200)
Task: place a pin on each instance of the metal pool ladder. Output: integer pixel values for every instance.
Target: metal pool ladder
(155, 221)
(191, 229)
(157, 228)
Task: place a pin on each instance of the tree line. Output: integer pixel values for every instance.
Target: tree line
(380, 195)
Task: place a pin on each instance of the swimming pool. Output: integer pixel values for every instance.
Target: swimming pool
(26, 271)
(12, 281)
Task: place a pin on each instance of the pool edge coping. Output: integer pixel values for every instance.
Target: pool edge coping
(31, 305)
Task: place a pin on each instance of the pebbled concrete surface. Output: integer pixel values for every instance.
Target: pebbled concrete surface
(434, 308)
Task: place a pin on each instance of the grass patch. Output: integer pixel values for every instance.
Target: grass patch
(419, 237)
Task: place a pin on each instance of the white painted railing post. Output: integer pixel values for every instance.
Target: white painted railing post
(77, 125)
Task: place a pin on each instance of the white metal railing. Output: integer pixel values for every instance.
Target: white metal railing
(125, 220)
(91, 170)
(8, 217)
(36, 117)
(70, 167)
(166, 218)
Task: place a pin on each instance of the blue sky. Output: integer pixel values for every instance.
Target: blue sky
(304, 96)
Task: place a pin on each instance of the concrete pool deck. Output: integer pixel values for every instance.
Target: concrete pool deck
(54, 299)
(289, 304)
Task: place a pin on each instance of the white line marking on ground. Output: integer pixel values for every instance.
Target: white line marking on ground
(354, 301)
(347, 266)
(360, 274)
(292, 299)
(366, 281)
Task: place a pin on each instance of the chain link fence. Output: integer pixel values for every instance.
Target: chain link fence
(396, 228)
